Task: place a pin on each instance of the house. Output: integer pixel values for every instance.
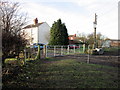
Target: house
(106, 43)
(73, 39)
(115, 42)
(111, 43)
(37, 32)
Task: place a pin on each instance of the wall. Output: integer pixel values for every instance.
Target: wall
(31, 33)
(44, 33)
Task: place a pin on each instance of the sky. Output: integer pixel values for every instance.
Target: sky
(78, 15)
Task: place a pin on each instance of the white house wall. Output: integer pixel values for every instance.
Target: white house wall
(34, 35)
(44, 33)
(31, 35)
(28, 34)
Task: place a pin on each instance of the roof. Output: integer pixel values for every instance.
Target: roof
(114, 39)
(72, 35)
(33, 25)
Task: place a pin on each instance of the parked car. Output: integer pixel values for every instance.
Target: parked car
(35, 45)
(73, 46)
(100, 51)
(97, 51)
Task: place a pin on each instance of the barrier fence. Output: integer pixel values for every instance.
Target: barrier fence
(79, 51)
(31, 53)
(57, 50)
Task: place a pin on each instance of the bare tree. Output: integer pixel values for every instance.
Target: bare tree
(11, 24)
(99, 39)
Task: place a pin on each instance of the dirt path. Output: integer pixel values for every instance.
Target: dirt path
(94, 59)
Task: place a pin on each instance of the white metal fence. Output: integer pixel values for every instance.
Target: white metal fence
(60, 50)
(31, 53)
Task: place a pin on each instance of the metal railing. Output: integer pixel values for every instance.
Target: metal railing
(30, 53)
(60, 50)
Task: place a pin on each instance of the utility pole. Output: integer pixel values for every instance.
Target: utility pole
(95, 23)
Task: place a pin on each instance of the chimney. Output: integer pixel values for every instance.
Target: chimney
(74, 35)
(35, 21)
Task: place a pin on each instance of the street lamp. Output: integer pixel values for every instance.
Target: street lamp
(94, 26)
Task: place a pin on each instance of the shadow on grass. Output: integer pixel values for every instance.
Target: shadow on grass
(64, 73)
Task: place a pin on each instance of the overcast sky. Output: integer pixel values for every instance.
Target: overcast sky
(78, 15)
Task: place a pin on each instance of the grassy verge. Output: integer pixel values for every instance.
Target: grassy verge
(111, 49)
(68, 73)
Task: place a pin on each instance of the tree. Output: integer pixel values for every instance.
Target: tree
(89, 39)
(58, 34)
(11, 24)
(83, 38)
(99, 39)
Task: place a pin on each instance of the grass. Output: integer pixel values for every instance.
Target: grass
(111, 48)
(14, 59)
(70, 73)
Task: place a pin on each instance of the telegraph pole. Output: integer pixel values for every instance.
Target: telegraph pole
(95, 23)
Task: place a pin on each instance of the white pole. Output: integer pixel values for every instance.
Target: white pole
(83, 48)
(79, 49)
(46, 50)
(68, 50)
(88, 60)
(74, 48)
(61, 50)
(54, 50)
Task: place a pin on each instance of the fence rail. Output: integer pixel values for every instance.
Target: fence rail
(31, 53)
(57, 50)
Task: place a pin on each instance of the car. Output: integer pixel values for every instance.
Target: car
(73, 46)
(97, 51)
(100, 50)
(35, 45)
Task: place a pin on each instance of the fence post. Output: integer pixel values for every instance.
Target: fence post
(68, 50)
(25, 56)
(29, 55)
(54, 50)
(61, 50)
(74, 48)
(79, 49)
(46, 50)
(83, 48)
(88, 60)
(38, 53)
